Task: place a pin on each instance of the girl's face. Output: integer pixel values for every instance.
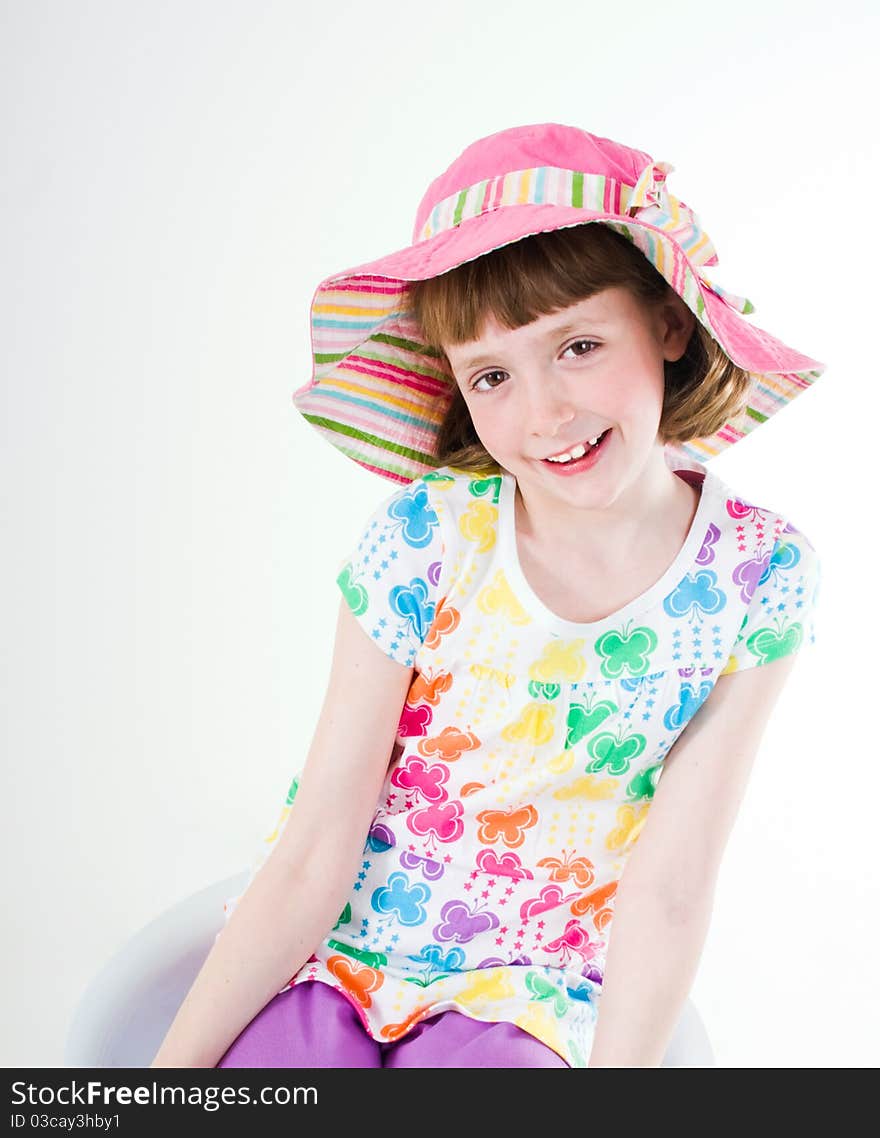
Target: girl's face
(543, 389)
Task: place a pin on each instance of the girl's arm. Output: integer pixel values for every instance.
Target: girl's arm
(664, 899)
(298, 893)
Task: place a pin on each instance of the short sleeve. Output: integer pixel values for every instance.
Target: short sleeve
(780, 618)
(390, 581)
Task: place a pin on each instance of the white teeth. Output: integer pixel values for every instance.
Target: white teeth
(576, 452)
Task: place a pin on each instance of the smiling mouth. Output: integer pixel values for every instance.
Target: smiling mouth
(580, 451)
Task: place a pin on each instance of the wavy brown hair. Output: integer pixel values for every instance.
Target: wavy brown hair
(542, 273)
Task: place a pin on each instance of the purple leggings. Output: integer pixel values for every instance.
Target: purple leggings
(314, 1025)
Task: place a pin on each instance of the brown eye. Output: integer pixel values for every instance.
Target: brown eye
(486, 375)
(580, 343)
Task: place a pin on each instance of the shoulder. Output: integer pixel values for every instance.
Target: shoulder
(459, 498)
(467, 485)
(759, 530)
(430, 515)
(770, 572)
(444, 484)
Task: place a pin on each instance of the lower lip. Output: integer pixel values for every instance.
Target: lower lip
(580, 464)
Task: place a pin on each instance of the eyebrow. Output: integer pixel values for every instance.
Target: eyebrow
(559, 330)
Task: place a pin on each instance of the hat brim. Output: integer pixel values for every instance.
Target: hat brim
(748, 346)
(377, 397)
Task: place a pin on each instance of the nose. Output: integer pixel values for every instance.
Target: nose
(548, 407)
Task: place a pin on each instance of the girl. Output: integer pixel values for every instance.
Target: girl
(559, 639)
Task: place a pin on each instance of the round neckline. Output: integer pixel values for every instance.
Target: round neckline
(507, 548)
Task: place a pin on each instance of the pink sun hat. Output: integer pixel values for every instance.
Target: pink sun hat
(379, 393)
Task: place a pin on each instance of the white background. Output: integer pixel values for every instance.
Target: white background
(177, 178)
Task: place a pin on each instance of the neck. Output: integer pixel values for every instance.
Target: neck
(608, 536)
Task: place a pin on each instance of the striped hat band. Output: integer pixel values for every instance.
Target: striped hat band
(648, 200)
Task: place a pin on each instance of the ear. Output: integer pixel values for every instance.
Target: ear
(676, 325)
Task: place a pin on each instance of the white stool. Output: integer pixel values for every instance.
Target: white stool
(126, 1010)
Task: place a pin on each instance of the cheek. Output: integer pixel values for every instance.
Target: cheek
(634, 401)
(482, 418)
(639, 389)
(493, 428)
